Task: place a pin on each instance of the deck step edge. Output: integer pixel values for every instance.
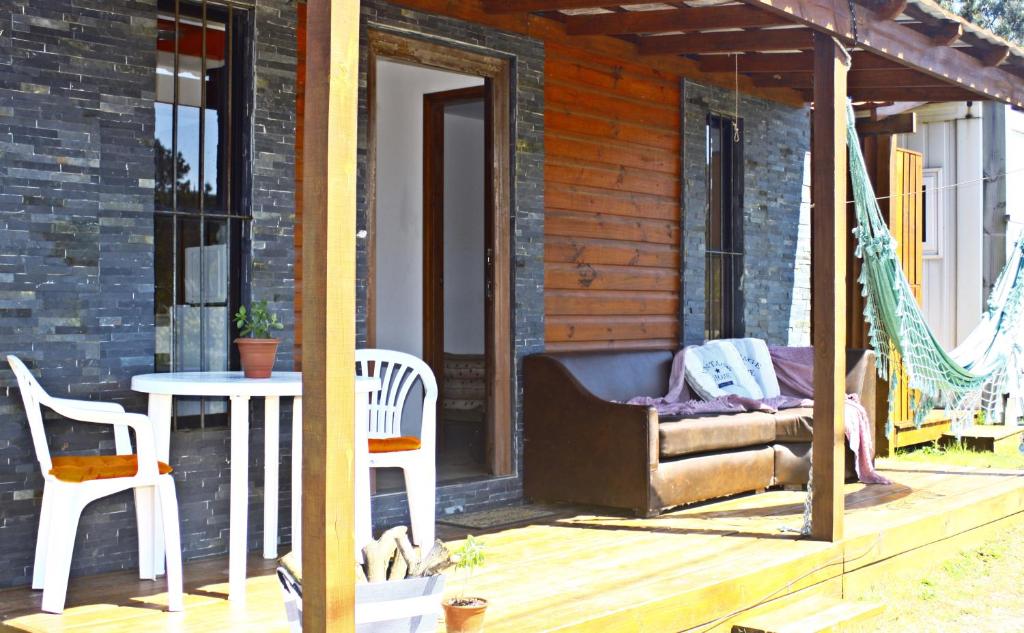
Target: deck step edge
(812, 615)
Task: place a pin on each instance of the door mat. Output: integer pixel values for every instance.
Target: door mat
(499, 517)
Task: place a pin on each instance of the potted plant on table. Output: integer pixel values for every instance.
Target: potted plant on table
(465, 614)
(256, 347)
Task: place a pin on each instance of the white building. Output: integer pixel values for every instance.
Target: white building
(973, 206)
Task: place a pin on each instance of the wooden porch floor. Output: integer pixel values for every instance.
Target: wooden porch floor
(695, 569)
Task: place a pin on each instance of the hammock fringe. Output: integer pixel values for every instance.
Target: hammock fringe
(972, 378)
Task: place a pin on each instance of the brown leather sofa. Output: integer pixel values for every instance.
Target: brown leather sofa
(583, 446)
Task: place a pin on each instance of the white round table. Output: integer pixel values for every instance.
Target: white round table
(233, 385)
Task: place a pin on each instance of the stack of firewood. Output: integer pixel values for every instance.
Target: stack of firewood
(393, 557)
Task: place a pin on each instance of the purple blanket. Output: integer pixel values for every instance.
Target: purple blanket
(794, 367)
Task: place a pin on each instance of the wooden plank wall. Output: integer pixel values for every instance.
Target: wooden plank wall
(300, 115)
(612, 196)
(897, 176)
(612, 183)
(905, 216)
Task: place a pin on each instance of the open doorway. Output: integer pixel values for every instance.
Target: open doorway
(456, 287)
(438, 243)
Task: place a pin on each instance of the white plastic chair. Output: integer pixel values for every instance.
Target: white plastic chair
(63, 501)
(398, 373)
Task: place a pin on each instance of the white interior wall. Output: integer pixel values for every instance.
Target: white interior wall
(399, 238)
(464, 229)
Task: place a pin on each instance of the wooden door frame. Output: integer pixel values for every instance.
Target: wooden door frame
(434, 105)
(496, 71)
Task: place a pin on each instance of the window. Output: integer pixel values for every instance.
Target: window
(202, 219)
(932, 229)
(723, 306)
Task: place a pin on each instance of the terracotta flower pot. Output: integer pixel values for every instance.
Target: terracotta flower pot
(465, 619)
(257, 355)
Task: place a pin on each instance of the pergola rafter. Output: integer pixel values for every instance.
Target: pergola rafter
(803, 62)
(951, 58)
(727, 42)
(685, 19)
(858, 80)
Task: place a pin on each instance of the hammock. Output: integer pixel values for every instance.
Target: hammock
(975, 375)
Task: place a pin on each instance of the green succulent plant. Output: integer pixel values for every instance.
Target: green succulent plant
(257, 321)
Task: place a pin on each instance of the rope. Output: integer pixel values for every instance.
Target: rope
(954, 185)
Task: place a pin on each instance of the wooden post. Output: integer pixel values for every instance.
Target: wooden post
(328, 316)
(828, 261)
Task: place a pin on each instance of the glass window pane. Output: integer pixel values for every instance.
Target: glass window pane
(163, 266)
(723, 295)
(199, 264)
(714, 169)
(193, 120)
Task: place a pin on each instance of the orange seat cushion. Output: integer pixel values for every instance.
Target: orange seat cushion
(394, 444)
(79, 468)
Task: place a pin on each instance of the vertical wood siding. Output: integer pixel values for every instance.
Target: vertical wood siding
(905, 212)
(612, 202)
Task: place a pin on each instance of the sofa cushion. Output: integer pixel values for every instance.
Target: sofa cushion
(715, 432)
(700, 477)
(794, 425)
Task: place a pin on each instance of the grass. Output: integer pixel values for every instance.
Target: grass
(956, 455)
(980, 590)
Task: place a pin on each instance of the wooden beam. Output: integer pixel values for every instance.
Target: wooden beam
(756, 63)
(894, 41)
(789, 62)
(890, 9)
(727, 42)
(996, 55)
(892, 78)
(682, 19)
(531, 6)
(947, 33)
(882, 93)
(328, 316)
(857, 80)
(863, 60)
(828, 293)
(905, 123)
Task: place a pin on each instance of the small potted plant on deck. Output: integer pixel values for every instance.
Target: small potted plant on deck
(465, 614)
(256, 347)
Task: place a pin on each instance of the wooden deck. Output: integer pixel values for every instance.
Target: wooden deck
(697, 569)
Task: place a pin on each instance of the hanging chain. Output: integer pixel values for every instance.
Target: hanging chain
(853, 22)
(736, 96)
(805, 529)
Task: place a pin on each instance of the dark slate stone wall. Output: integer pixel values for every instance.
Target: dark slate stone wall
(776, 214)
(273, 165)
(527, 57)
(77, 80)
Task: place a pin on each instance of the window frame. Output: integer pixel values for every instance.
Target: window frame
(234, 174)
(933, 218)
(727, 319)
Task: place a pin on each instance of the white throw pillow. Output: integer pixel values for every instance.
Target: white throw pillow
(713, 371)
(758, 359)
